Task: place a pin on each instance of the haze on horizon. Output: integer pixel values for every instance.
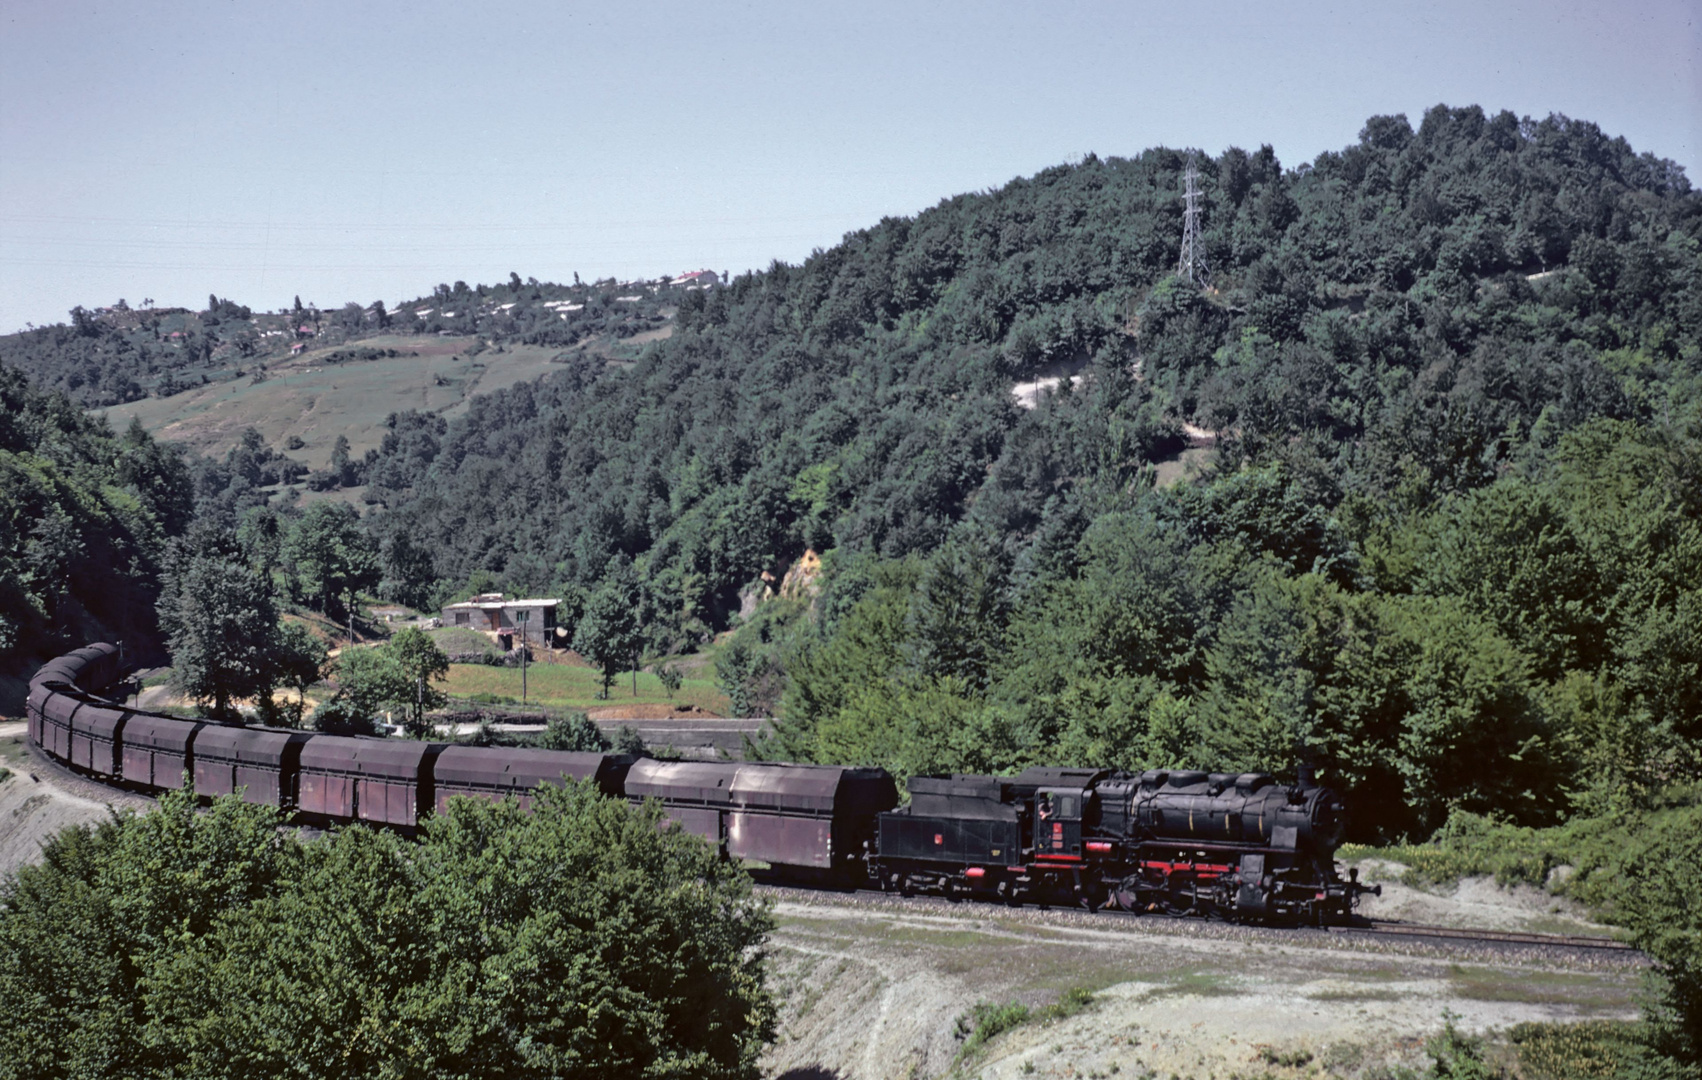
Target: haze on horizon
(333, 154)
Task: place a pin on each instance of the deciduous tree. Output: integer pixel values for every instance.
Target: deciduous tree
(330, 556)
(608, 633)
(222, 629)
(421, 663)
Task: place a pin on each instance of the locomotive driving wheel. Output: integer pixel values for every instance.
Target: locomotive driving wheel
(1179, 898)
(1094, 896)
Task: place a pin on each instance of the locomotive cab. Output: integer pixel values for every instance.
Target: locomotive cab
(1059, 814)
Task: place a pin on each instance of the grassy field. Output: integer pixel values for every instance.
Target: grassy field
(315, 401)
(575, 687)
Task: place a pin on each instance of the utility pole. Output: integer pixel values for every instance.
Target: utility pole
(1191, 264)
(521, 616)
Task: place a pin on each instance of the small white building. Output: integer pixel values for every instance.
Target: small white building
(533, 621)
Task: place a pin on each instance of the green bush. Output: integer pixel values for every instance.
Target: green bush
(577, 939)
(984, 1023)
(340, 716)
(575, 731)
(1588, 1050)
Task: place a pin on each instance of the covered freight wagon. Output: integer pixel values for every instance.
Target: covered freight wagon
(260, 764)
(694, 793)
(495, 772)
(96, 729)
(814, 817)
(384, 781)
(798, 817)
(157, 750)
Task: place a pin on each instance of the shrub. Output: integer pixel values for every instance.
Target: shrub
(574, 731)
(580, 938)
(340, 716)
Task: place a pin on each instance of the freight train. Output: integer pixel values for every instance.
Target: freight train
(1243, 847)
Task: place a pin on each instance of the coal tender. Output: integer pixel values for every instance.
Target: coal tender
(1185, 843)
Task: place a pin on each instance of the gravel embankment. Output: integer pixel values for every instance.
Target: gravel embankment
(873, 986)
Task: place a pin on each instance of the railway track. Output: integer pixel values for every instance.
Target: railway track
(1395, 928)
(1604, 949)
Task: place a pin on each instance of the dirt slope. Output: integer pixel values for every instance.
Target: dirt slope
(877, 991)
(39, 799)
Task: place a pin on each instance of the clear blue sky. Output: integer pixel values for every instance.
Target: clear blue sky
(369, 151)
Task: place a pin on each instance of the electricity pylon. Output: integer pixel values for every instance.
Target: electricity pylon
(1191, 265)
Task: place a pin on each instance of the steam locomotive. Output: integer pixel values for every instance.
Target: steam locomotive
(1186, 843)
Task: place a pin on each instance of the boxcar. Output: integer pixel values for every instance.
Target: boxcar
(696, 794)
(261, 764)
(39, 693)
(814, 817)
(384, 781)
(63, 670)
(157, 750)
(96, 730)
(100, 667)
(90, 668)
(497, 772)
(57, 709)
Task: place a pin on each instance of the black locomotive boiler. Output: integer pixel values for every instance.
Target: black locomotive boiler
(1180, 842)
(1236, 846)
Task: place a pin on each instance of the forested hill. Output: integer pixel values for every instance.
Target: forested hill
(118, 354)
(84, 519)
(1407, 316)
(1449, 553)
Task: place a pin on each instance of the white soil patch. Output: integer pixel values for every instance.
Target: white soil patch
(873, 992)
(1027, 394)
(1476, 903)
(33, 808)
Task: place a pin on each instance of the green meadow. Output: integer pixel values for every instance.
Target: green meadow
(575, 686)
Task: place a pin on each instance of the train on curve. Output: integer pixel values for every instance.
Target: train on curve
(1243, 846)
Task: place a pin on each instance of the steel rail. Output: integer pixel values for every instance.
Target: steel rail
(1374, 928)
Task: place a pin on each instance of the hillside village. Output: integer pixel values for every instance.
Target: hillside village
(116, 354)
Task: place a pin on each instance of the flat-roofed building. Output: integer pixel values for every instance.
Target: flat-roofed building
(532, 621)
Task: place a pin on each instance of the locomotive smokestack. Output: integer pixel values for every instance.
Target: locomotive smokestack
(1304, 775)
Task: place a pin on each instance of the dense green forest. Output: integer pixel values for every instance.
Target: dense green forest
(1447, 552)
(84, 518)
